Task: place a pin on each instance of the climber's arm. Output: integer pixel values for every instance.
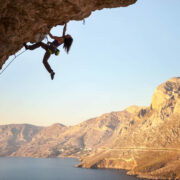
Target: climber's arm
(64, 30)
(55, 37)
(51, 36)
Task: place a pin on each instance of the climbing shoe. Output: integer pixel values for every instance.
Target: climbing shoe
(26, 46)
(52, 75)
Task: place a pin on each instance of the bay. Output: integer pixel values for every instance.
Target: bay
(54, 169)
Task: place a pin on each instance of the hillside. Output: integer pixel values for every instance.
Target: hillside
(14, 136)
(150, 147)
(78, 140)
(59, 140)
(143, 140)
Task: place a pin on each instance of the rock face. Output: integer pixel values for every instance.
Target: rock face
(14, 136)
(143, 140)
(23, 21)
(167, 95)
(58, 140)
(150, 145)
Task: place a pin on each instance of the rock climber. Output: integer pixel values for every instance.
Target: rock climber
(52, 48)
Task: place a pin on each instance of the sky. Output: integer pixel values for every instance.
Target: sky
(117, 59)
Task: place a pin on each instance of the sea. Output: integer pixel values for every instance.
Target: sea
(54, 169)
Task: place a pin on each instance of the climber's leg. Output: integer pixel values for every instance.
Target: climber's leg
(36, 45)
(46, 64)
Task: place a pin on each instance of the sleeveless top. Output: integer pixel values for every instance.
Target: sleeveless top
(56, 43)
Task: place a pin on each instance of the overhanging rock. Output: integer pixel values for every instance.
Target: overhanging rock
(22, 20)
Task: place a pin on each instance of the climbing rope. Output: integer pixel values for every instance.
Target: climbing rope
(11, 61)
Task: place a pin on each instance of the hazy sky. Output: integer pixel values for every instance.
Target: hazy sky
(117, 59)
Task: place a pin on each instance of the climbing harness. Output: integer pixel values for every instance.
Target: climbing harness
(11, 61)
(55, 49)
(56, 52)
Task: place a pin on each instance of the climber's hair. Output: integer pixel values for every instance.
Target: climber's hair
(67, 43)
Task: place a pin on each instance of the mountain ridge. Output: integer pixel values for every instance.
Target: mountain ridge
(143, 140)
(150, 148)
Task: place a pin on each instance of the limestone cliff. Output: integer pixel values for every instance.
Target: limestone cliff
(167, 96)
(22, 21)
(150, 145)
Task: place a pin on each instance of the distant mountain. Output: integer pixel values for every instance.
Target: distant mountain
(58, 140)
(13, 136)
(150, 145)
(78, 140)
(143, 140)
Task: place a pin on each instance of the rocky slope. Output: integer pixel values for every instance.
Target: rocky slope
(28, 21)
(150, 147)
(14, 136)
(59, 140)
(78, 140)
(143, 140)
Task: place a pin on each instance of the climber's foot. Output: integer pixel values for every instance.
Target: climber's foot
(26, 46)
(52, 75)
